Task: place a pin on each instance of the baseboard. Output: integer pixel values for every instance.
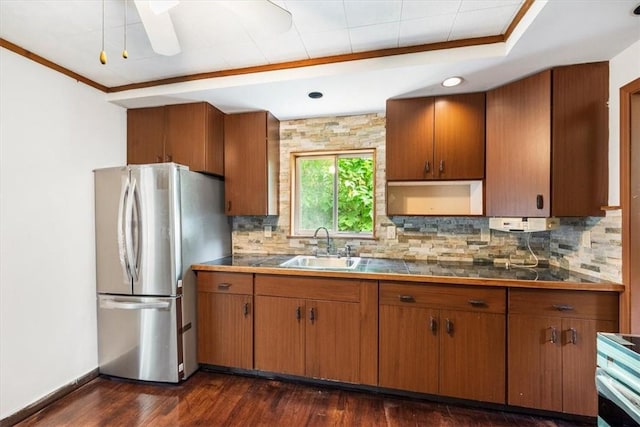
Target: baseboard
(26, 412)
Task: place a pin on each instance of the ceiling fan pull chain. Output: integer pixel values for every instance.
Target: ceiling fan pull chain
(125, 54)
(103, 54)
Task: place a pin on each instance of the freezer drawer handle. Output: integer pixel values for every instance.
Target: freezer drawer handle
(128, 305)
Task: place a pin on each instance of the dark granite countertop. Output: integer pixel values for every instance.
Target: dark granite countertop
(422, 271)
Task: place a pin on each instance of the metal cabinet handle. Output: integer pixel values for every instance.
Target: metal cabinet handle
(407, 298)
(298, 313)
(563, 307)
(312, 315)
(449, 324)
(433, 325)
(573, 336)
(224, 286)
(427, 166)
(539, 201)
(441, 166)
(554, 335)
(245, 310)
(477, 302)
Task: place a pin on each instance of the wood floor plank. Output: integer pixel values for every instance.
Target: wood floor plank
(212, 399)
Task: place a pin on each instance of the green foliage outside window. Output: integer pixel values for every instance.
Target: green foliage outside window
(336, 192)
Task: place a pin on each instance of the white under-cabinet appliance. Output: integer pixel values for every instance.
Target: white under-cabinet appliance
(152, 223)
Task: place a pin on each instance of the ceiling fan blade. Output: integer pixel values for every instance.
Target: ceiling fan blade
(159, 29)
(260, 17)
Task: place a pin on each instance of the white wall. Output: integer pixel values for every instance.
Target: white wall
(623, 68)
(53, 132)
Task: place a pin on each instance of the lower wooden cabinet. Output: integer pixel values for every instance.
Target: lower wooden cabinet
(447, 340)
(450, 340)
(552, 347)
(317, 327)
(225, 319)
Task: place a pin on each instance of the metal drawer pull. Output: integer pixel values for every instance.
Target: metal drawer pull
(563, 307)
(407, 298)
(554, 335)
(449, 324)
(224, 286)
(298, 313)
(245, 310)
(573, 336)
(433, 325)
(427, 167)
(477, 302)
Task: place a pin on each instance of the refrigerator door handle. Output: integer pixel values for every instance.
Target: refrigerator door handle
(128, 305)
(122, 230)
(129, 238)
(137, 237)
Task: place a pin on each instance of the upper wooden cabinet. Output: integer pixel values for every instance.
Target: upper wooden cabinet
(252, 163)
(188, 134)
(547, 144)
(436, 138)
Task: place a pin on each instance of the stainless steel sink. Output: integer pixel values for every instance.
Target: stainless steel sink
(322, 263)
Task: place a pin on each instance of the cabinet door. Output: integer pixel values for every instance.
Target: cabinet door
(186, 135)
(409, 348)
(580, 139)
(225, 330)
(145, 135)
(409, 142)
(250, 164)
(459, 136)
(279, 335)
(579, 395)
(535, 362)
(472, 355)
(333, 340)
(519, 148)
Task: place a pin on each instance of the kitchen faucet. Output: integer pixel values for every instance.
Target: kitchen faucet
(315, 235)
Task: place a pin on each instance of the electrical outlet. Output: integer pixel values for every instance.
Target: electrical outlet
(586, 239)
(391, 232)
(267, 231)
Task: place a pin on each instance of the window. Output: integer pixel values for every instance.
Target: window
(334, 190)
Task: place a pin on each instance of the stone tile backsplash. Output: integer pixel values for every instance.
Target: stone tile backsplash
(589, 245)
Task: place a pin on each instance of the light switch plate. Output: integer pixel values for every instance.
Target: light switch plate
(267, 231)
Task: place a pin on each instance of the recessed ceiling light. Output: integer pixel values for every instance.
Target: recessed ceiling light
(452, 81)
(315, 95)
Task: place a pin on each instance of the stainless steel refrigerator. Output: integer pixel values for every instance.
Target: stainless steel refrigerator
(152, 223)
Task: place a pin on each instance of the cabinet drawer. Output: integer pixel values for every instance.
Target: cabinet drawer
(470, 298)
(308, 287)
(575, 304)
(226, 283)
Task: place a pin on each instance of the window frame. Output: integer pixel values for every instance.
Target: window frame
(294, 194)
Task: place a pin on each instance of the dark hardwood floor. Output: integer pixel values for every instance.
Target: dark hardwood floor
(212, 399)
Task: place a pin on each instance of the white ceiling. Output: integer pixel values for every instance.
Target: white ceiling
(214, 38)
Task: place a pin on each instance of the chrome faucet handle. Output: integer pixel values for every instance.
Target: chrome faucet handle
(347, 249)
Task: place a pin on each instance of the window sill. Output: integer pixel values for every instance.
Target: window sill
(333, 237)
